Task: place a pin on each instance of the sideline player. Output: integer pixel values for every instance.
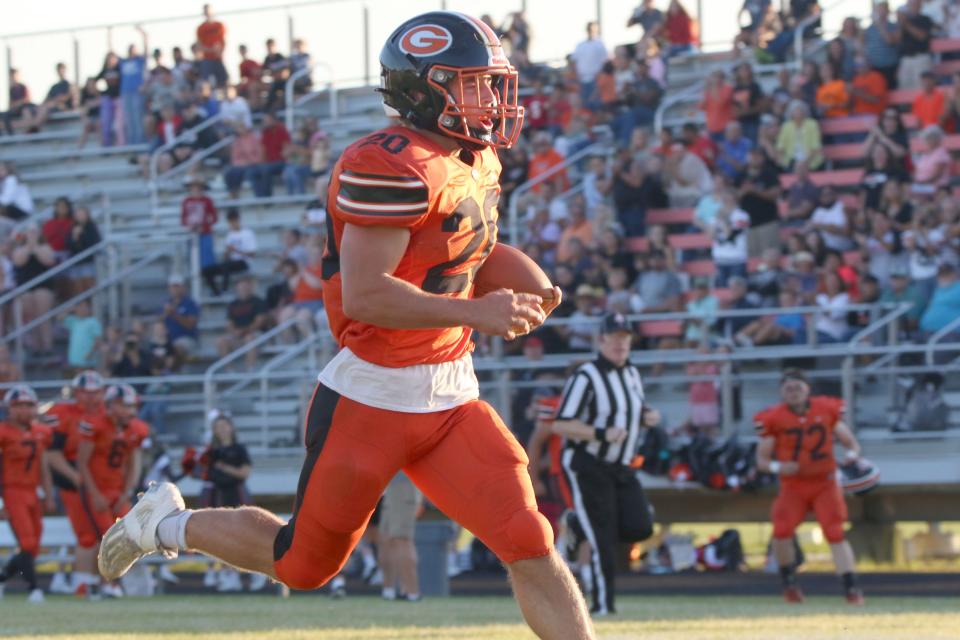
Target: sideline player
(796, 443)
(65, 418)
(109, 459)
(412, 217)
(24, 442)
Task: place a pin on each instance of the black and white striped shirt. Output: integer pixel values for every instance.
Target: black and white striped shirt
(604, 395)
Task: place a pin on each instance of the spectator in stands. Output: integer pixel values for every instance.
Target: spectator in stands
(679, 30)
(300, 61)
(16, 203)
(198, 214)
(929, 106)
(181, 316)
(659, 288)
(84, 234)
(211, 40)
(703, 307)
(83, 343)
(840, 58)
(687, 177)
(251, 85)
(133, 69)
(589, 57)
(748, 100)
(19, 104)
(650, 19)
(9, 370)
(280, 294)
(899, 289)
(240, 245)
(764, 282)
(296, 156)
(879, 170)
(276, 67)
(273, 137)
(643, 99)
(246, 316)
(578, 227)
(61, 97)
(868, 89)
(739, 300)
(181, 66)
(932, 165)
(236, 109)
(31, 257)
(321, 155)
(780, 329)
(733, 150)
(134, 361)
(544, 158)
(729, 230)
(881, 249)
(944, 307)
(111, 115)
(597, 183)
(158, 65)
(831, 321)
(636, 188)
(700, 145)
(56, 230)
(705, 213)
(582, 328)
(767, 140)
(915, 32)
(799, 139)
(890, 133)
(163, 91)
(880, 44)
(246, 156)
(830, 220)
(803, 196)
(759, 189)
(923, 240)
(307, 299)
(833, 100)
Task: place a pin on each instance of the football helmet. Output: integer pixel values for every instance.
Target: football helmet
(19, 393)
(858, 476)
(88, 380)
(122, 392)
(432, 71)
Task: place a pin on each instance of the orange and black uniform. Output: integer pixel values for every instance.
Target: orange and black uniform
(22, 458)
(806, 439)
(65, 418)
(113, 449)
(462, 457)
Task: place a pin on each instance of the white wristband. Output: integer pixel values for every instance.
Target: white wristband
(775, 467)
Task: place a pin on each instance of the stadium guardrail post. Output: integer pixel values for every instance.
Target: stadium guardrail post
(847, 383)
(726, 399)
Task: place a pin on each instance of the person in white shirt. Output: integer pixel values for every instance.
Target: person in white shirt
(830, 220)
(589, 56)
(831, 323)
(16, 203)
(239, 245)
(729, 230)
(236, 109)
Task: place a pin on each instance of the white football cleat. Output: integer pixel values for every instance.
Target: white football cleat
(35, 597)
(135, 534)
(60, 584)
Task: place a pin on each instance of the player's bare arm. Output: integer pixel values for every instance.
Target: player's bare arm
(46, 480)
(58, 462)
(133, 474)
(844, 435)
(766, 463)
(372, 294)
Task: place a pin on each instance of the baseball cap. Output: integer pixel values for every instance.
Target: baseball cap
(175, 279)
(88, 380)
(615, 323)
(122, 392)
(586, 290)
(19, 393)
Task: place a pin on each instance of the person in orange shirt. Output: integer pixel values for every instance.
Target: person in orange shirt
(833, 100)
(868, 88)
(578, 227)
(544, 158)
(211, 40)
(307, 299)
(928, 106)
(796, 444)
(717, 104)
(23, 444)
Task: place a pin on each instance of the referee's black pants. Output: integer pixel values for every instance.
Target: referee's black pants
(612, 508)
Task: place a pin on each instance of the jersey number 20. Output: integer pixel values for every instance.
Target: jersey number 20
(484, 228)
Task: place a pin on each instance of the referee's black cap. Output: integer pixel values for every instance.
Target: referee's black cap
(615, 323)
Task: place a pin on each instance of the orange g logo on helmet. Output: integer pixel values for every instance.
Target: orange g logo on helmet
(426, 40)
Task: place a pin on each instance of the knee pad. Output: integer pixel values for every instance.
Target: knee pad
(833, 532)
(528, 535)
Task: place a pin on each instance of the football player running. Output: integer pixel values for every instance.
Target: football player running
(796, 443)
(412, 219)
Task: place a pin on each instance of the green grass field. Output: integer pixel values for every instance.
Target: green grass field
(492, 618)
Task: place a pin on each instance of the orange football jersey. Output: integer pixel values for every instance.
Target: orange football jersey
(399, 177)
(806, 439)
(112, 449)
(64, 418)
(22, 452)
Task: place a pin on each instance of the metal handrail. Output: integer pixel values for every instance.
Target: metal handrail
(263, 338)
(513, 222)
(118, 277)
(185, 136)
(292, 105)
(951, 327)
(882, 322)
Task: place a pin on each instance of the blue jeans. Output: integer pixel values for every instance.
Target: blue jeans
(234, 177)
(268, 171)
(205, 249)
(108, 113)
(627, 120)
(133, 117)
(295, 178)
(727, 271)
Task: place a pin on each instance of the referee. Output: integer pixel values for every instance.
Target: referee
(600, 418)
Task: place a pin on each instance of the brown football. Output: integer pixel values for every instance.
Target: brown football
(509, 268)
